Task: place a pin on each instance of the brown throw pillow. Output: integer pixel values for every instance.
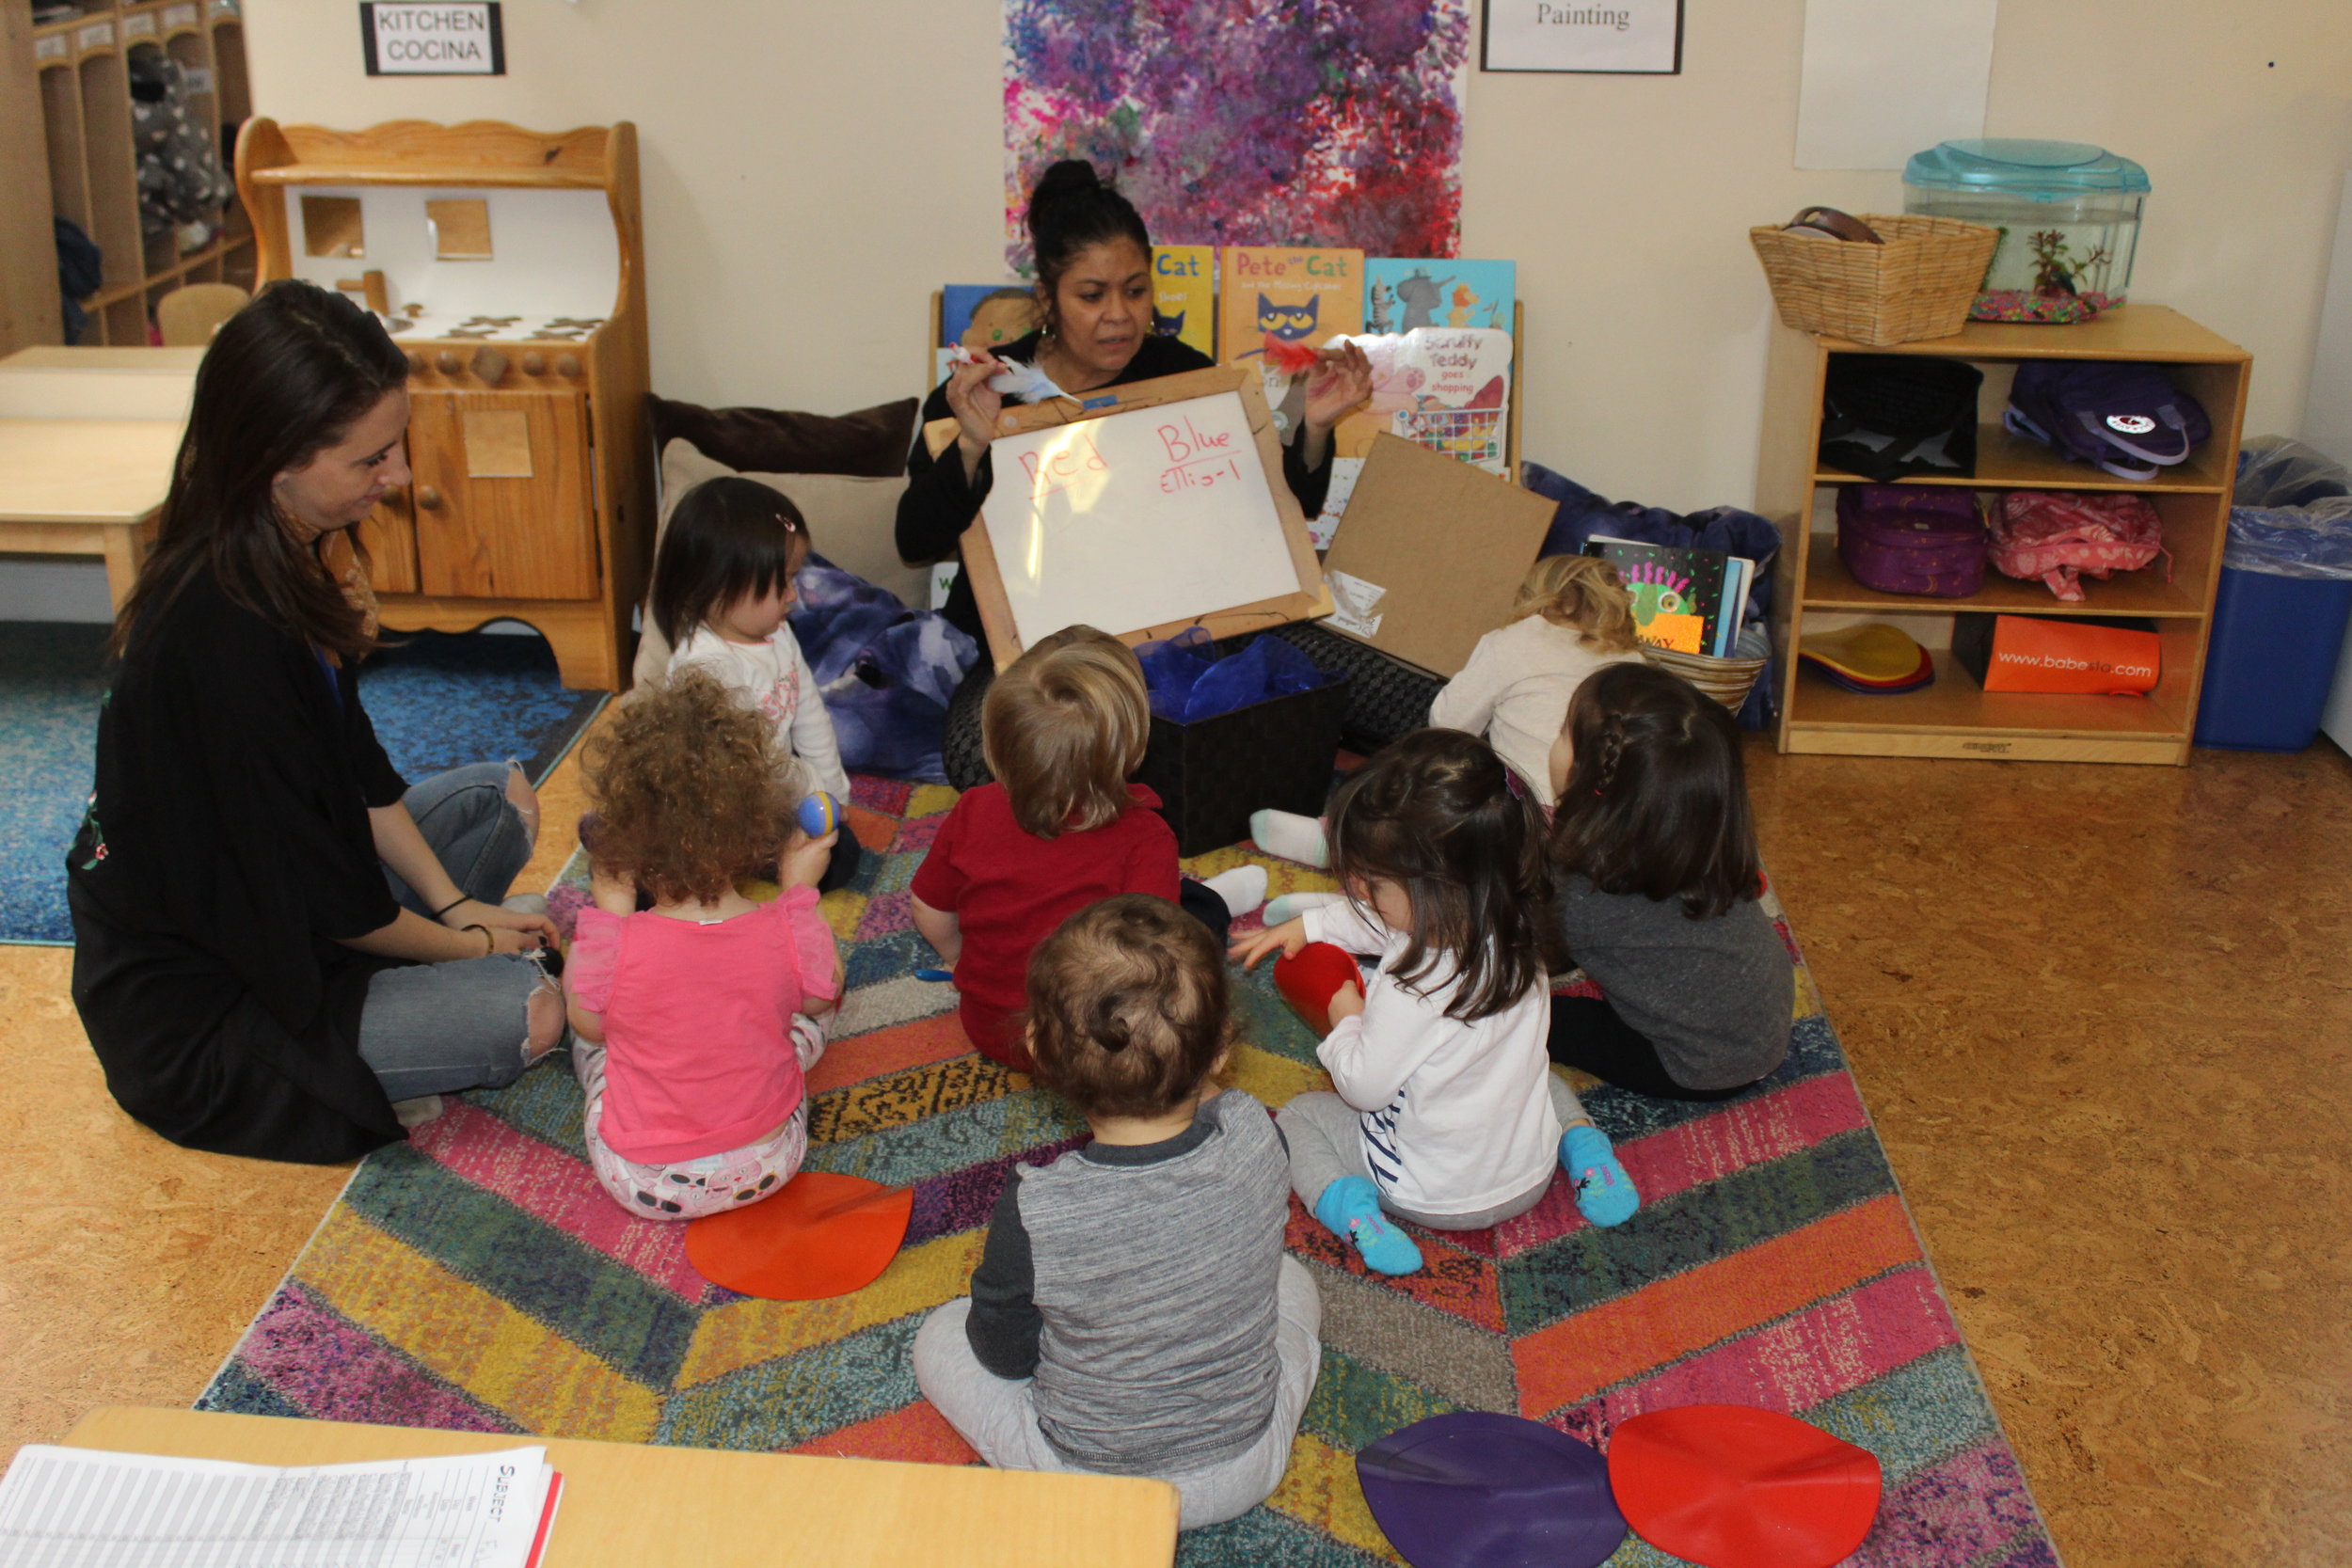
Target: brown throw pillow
(870, 444)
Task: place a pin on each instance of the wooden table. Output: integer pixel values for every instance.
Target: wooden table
(88, 436)
(626, 1504)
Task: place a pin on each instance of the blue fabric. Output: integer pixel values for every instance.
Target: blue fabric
(1189, 682)
(886, 672)
(1580, 514)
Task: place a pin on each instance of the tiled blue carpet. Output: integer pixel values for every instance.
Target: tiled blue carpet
(437, 702)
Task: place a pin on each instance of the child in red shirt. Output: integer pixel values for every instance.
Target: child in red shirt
(1059, 829)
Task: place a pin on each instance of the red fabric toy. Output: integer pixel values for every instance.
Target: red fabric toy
(1312, 976)
(1728, 1486)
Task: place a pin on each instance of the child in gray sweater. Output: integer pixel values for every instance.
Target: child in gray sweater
(1658, 881)
(1190, 1359)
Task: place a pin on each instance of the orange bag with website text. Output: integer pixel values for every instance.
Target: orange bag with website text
(2044, 653)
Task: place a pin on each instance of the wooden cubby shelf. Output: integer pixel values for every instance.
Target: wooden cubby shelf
(82, 95)
(1955, 717)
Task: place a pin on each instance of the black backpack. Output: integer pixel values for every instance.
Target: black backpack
(1887, 414)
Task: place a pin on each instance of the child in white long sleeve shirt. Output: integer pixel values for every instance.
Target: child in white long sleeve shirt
(1447, 1112)
(723, 585)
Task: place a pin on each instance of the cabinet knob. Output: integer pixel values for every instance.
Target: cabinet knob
(416, 363)
(490, 365)
(534, 364)
(567, 364)
(448, 362)
(428, 498)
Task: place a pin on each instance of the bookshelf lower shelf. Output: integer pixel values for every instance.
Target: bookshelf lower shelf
(1957, 717)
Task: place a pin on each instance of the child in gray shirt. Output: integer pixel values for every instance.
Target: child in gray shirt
(1133, 1312)
(1658, 881)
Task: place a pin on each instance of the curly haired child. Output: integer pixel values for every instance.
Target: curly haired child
(693, 1016)
(1073, 1352)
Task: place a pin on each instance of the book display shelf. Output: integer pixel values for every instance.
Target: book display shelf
(81, 85)
(1955, 717)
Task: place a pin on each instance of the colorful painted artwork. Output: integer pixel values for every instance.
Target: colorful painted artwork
(1248, 122)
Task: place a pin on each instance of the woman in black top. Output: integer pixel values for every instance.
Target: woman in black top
(1094, 285)
(255, 891)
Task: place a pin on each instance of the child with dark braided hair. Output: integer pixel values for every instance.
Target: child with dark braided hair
(1654, 849)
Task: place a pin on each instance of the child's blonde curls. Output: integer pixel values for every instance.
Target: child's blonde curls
(1583, 594)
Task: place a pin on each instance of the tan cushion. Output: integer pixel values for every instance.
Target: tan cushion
(852, 522)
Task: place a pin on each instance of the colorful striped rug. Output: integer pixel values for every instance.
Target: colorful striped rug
(478, 1278)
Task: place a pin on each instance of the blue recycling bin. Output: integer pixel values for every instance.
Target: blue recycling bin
(2271, 660)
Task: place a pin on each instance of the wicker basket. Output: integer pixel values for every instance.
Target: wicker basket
(1726, 680)
(1919, 284)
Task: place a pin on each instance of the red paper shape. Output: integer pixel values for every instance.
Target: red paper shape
(1727, 1486)
(823, 1235)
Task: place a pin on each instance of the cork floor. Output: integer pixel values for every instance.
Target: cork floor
(2102, 1017)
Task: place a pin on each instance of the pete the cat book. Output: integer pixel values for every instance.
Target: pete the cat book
(1183, 295)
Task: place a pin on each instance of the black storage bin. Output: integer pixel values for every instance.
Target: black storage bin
(1211, 774)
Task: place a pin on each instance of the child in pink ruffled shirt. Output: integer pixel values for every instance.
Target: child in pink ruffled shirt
(696, 1019)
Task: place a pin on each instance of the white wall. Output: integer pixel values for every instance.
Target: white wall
(812, 171)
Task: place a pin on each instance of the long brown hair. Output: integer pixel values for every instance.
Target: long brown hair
(284, 379)
(1657, 797)
(1438, 813)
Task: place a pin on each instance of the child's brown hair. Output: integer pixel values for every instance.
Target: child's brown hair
(1657, 797)
(1063, 728)
(1438, 813)
(1583, 594)
(1128, 1006)
(687, 788)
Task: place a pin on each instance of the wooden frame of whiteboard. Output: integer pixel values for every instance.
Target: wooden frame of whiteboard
(1310, 600)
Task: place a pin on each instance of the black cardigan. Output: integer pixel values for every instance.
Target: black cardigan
(938, 505)
(227, 847)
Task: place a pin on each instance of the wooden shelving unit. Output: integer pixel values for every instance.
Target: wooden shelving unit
(80, 83)
(1955, 717)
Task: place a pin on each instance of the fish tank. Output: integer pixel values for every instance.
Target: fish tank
(2069, 216)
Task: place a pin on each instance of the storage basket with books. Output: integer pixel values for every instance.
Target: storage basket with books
(1876, 279)
(1690, 610)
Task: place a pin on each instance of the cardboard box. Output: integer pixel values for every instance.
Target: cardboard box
(1439, 548)
(1211, 774)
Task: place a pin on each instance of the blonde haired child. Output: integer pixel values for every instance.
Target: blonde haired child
(1572, 617)
(693, 1016)
(1060, 827)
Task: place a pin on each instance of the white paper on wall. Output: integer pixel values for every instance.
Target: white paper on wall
(1137, 519)
(1885, 79)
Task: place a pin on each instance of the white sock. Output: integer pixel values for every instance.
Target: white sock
(1242, 888)
(1292, 836)
(1290, 906)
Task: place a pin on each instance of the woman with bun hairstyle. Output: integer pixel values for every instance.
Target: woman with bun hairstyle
(1094, 291)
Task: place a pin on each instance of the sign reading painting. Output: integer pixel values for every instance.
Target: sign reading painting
(1635, 36)
(1246, 122)
(449, 37)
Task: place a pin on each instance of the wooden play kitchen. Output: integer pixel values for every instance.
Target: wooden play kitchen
(510, 266)
(1955, 717)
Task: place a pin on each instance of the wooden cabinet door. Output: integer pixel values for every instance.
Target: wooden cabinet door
(502, 494)
(390, 543)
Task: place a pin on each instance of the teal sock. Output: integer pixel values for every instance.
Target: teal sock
(1350, 1207)
(1604, 1192)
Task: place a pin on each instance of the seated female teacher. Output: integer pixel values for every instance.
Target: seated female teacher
(1094, 288)
(275, 937)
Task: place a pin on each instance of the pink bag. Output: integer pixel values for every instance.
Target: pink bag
(2059, 535)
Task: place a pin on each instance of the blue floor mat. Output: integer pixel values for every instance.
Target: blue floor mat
(437, 702)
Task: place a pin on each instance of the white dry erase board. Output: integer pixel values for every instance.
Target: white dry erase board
(1140, 513)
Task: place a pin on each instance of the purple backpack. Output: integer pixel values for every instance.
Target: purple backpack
(1911, 539)
(2127, 418)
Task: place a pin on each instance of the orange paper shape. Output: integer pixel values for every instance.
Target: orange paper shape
(823, 1235)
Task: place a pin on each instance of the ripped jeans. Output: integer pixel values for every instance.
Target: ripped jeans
(438, 1028)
